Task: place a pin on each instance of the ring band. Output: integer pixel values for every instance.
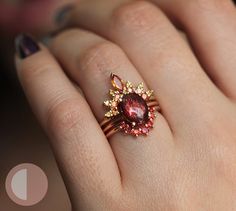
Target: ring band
(132, 109)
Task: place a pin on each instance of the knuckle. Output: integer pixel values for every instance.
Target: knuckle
(36, 70)
(209, 5)
(65, 35)
(138, 14)
(64, 118)
(100, 59)
(58, 41)
(222, 154)
(224, 163)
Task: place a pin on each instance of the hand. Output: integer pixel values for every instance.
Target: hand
(187, 162)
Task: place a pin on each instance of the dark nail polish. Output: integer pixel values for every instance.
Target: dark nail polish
(26, 46)
(63, 14)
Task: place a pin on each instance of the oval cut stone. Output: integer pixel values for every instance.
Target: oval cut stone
(134, 108)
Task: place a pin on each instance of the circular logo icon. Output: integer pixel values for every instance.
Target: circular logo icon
(26, 184)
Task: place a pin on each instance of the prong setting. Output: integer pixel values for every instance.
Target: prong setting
(130, 102)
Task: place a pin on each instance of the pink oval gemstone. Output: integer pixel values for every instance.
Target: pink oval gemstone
(134, 108)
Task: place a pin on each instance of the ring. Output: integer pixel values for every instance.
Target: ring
(132, 109)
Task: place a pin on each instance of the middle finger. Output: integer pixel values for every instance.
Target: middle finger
(161, 56)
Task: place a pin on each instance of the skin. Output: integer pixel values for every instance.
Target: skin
(188, 160)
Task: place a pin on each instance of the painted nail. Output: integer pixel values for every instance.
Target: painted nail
(62, 14)
(26, 46)
(46, 40)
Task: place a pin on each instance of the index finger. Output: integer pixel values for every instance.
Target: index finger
(83, 153)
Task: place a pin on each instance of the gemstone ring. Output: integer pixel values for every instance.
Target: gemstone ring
(132, 109)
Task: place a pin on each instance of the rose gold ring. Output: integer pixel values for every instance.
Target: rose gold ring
(132, 109)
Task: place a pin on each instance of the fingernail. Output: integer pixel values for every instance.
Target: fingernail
(26, 46)
(63, 14)
(46, 40)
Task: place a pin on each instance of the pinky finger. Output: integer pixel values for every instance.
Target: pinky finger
(83, 153)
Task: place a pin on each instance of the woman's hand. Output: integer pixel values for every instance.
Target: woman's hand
(187, 162)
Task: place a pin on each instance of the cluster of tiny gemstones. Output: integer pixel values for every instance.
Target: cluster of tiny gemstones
(122, 88)
(141, 129)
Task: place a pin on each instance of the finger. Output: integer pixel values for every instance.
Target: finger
(89, 60)
(211, 28)
(82, 151)
(162, 57)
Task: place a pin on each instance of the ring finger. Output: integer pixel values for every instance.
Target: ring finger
(186, 95)
(89, 60)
